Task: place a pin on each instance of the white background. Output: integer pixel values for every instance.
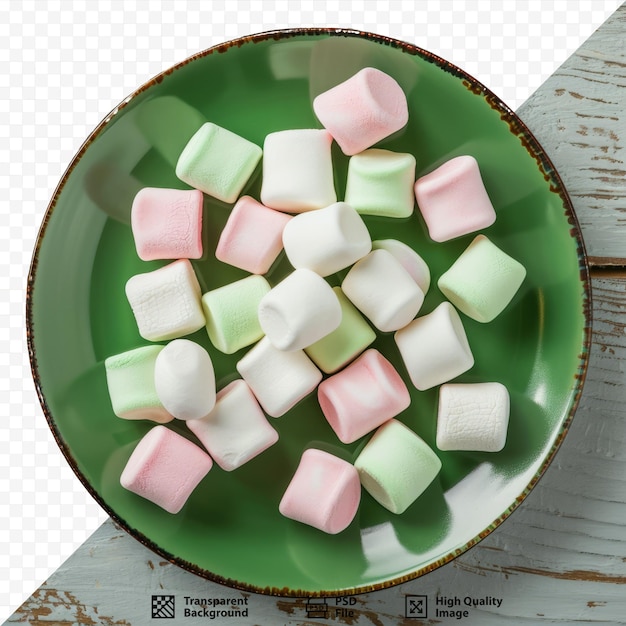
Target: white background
(66, 64)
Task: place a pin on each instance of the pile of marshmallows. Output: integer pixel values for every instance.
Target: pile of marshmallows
(302, 328)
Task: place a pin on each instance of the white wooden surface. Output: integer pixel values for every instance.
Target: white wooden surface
(561, 557)
(578, 116)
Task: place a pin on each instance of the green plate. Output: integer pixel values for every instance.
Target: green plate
(230, 530)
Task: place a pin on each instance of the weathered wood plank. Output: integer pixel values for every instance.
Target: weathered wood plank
(579, 116)
(564, 548)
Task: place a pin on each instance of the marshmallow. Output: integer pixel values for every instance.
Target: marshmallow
(396, 466)
(362, 396)
(362, 110)
(130, 380)
(324, 492)
(383, 291)
(473, 417)
(184, 379)
(298, 170)
(167, 223)
(165, 468)
(453, 199)
(380, 182)
(231, 313)
(166, 301)
(482, 281)
(252, 237)
(218, 162)
(299, 311)
(326, 240)
(348, 340)
(236, 430)
(278, 379)
(434, 347)
(408, 258)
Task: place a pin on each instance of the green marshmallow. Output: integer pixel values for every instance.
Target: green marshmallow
(130, 379)
(218, 162)
(231, 313)
(396, 466)
(346, 342)
(380, 182)
(482, 281)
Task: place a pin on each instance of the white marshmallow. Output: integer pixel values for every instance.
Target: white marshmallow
(434, 347)
(185, 380)
(299, 311)
(298, 170)
(326, 240)
(383, 291)
(409, 259)
(473, 417)
(236, 430)
(278, 379)
(166, 302)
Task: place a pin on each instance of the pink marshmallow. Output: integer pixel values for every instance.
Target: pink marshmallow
(362, 110)
(453, 199)
(165, 468)
(324, 492)
(362, 396)
(167, 223)
(252, 237)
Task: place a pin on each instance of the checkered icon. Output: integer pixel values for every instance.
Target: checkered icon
(163, 607)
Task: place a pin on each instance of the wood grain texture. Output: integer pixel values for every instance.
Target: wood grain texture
(579, 117)
(561, 556)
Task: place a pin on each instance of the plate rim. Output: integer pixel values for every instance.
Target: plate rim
(546, 167)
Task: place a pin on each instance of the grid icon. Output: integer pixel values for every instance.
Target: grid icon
(163, 607)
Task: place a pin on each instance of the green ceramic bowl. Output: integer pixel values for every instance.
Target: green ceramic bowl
(230, 530)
